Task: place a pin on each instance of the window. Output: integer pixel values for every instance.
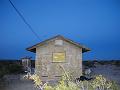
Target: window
(59, 57)
(58, 42)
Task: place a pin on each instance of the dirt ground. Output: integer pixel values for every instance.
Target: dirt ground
(111, 72)
(15, 82)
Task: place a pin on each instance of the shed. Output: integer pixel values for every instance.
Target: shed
(56, 55)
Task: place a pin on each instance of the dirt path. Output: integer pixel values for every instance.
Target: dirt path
(109, 71)
(16, 84)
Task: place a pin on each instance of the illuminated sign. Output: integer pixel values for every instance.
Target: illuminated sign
(58, 57)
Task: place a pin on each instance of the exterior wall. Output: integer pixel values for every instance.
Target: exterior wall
(46, 68)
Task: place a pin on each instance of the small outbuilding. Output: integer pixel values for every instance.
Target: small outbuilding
(56, 55)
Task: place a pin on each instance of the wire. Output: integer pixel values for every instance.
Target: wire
(24, 20)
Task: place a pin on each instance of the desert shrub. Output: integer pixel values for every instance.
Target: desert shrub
(115, 86)
(3, 71)
(14, 68)
(9, 68)
(116, 63)
(88, 64)
(99, 83)
(48, 87)
(66, 83)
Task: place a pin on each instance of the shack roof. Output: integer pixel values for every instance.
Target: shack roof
(33, 48)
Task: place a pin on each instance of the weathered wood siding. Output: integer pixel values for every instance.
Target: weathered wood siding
(45, 67)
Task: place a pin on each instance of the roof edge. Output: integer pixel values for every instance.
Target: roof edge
(33, 48)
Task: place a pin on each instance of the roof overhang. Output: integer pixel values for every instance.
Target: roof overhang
(33, 48)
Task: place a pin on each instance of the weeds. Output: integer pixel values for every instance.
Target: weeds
(66, 83)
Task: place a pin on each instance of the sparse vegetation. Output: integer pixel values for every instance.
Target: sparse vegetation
(91, 64)
(99, 83)
(10, 67)
(66, 83)
(88, 64)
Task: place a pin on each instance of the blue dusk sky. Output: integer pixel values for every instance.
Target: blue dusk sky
(94, 23)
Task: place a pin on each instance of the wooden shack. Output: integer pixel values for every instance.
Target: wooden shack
(56, 55)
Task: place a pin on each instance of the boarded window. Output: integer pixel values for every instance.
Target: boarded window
(58, 42)
(59, 57)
